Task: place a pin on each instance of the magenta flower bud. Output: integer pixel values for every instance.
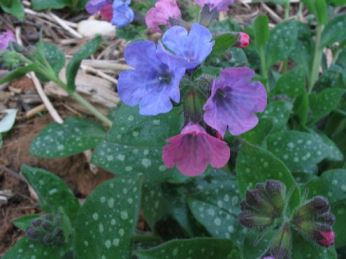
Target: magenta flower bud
(193, 150)
(219, 5)
(161, 14)
(6, 38)
(243, 40)
(107, 12)
(235, 99)
(326, 238)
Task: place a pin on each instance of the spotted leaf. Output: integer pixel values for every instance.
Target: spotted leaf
(107, 220)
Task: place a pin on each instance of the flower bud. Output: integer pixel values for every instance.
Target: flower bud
(47, 230)
(262, 204)
(325, 238)
(314, 221)
(243, 40)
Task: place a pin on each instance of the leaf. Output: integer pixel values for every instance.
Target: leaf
(196, 248)
(73, 66)
(319, 8)
(301, 151)
(261, 30)
(282, 41)
(256, 244)
(17, 73)
(44, 4)
(134, 144)
(108, 218)
(258, 135)
(305, 249)
(291, 83)
(255, 165)
(331, 184)
(15, 8)
(223, 42)
(53, 194)
(334, 31)
(53, 55)
(7, 122)
(325, 102)
(218, 211)
(278, 112)
(301, 107)
(74, 136)
(338, 209)
(25, 248)
(24, 222)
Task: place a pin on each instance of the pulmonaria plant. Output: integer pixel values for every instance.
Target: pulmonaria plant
(6, 38)
(118, 12)
(154, 85)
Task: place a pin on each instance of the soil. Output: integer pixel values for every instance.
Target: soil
(74, 170)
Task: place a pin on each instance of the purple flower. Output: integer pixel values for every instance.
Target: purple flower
(154, 82)
(189, 48)
(161, 14)
(234, 101)
(193, 149)
(220, 5)
(94, 6)
(6, 38)
(122, 13)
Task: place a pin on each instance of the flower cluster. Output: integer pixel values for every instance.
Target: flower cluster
(154, 85)
(6, 38)
(117, 11)
(267, 202)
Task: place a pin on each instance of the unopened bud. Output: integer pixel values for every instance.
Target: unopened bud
(243, 40)
(251, 220)
(276, 191)
(325, 238)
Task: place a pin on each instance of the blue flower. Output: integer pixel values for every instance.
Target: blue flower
(154, 81)
(122, 13)
(189, 48)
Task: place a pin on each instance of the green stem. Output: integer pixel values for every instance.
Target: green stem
(287, 9)
(85, 104)
(91, 108)
(145, 238)
(317, 58)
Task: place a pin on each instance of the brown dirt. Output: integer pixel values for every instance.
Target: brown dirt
(15, 152)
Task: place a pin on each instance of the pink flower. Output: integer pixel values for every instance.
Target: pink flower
(193, 149)
(326, 238)
(161, 14)
(234, 101)
(107, 12)
(6, 38)
(220, 5)
(244, 40)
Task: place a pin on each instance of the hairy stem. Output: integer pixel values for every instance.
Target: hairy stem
(317, 58)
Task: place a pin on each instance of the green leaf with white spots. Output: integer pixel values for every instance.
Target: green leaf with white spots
(291, 83)
(107, 220)
(261, 31)
(306, 249)
(282, 42)
(331, 184)
(334, 31)
(278, 112)
(135, 142)
(53, 55)
(25, 249)
(217, 208)
(72, 137)
(196, 248)
(52, 192)
(301, 151)
(258, 135)
(255, 165)
(323, 103)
